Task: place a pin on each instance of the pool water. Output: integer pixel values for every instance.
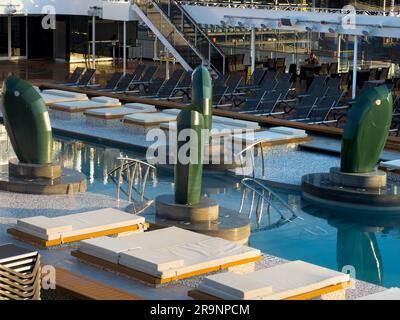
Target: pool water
(370, 247)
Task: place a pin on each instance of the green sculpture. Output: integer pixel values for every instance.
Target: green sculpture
(188, 174)
(366, 130)
(27, 122)
(197, 117)
(202, 94)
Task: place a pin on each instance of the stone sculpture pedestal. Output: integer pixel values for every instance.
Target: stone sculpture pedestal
(41, 179)
(205, 217)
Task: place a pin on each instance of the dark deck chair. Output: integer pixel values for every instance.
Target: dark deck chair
(152, 89)
(185, 83)
(316, 87)
(139, 72)
(221, 81)
(252, 102)
(75, 76)
(333, 82)
(268, 105)
(219, 92)
(232, 85)
(146, 77)
(373, 74)
(384, 73)
(333, 68)
(255, 80)
(303, 108)
(86, 78)
(168, 88)
(123, 85)
(285, 77)
(112, 83)
(320, 113)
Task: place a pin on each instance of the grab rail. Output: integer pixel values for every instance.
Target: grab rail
(135, 173)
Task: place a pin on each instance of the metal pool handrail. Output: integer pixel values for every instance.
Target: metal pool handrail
(266, 194)
(131, 171)
(252, 147)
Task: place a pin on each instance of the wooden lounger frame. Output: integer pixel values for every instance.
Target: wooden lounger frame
(25, 237)
(150, 279)
(83, 109)
(81, 287)
(200, 295)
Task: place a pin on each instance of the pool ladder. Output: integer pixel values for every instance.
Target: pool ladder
(134, 173)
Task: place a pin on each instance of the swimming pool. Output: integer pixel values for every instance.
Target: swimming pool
(318, 236)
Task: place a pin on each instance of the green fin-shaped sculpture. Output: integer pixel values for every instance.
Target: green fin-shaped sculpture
(27, 122)
(202, 94)
(189, 166)
(366, 130)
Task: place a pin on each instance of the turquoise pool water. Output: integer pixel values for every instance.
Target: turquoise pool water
(370, 246)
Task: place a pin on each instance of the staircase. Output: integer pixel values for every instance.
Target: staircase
(180, 35)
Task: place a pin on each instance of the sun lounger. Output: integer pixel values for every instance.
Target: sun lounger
(111, 117)
(75, 109)
(295, 280)
(75, 76)
(141, 123)
(165, 255)
(47, 232)
(389, 294)
(111, 84)
(85, 79)
(52, 96)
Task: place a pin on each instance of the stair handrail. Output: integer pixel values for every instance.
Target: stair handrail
(167, 18)
(196, 25)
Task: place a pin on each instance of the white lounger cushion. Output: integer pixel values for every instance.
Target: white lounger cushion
(389, 294)
(78, 224)
(52, 98)
(238, 286)
(114, 112)
(144, 118)
(288, 131)
(141, 106)
(393, 164)
(68, 94)
(83, 105)
(44, 225)
(172, 111)
(107, 100)
(286, 280)
(168, 252)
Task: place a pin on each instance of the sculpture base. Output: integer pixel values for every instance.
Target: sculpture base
(229, 226)
(69, 182)
(206, 210)
(376, 179)
(319, 189)
(18, 169)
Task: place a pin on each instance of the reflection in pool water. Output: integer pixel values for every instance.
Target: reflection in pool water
(369, 245)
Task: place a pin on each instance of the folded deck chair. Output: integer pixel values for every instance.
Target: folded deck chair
(75, 76)
(295, 280)
(164, 255)
(389, 294)
(112, 83)
(85, 79)
(47, 232)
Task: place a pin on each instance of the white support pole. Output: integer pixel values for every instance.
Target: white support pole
(355, 54)
(94, 41)
(339, 52)
(253, 49)
(124, 48)
(9, 31)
